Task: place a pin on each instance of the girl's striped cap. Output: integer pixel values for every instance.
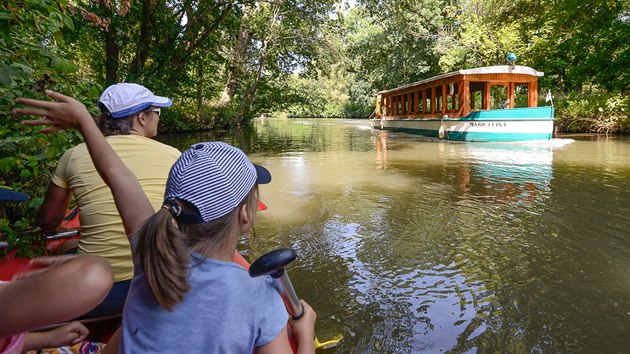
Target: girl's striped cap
(215, 177)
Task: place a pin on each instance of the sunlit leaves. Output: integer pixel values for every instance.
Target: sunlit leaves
(33, 57)
(63, 65)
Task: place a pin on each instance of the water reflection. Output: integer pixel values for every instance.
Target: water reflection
(381, 149)
(468, 197)
(514, 174)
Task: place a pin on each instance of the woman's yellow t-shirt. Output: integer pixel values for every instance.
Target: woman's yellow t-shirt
(102, 231)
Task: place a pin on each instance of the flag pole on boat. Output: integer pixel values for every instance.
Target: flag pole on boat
(273, 263)
(549, 97)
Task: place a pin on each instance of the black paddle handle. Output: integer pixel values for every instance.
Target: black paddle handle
(273, 263)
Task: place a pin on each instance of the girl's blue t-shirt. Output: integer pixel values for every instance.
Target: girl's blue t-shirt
(226, 311)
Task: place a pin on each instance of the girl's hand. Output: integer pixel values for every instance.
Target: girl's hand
(304, 328)
(66, 113)
(70, 334)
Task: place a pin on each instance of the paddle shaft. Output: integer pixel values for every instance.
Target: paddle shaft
(287, 293)
(70, 233)
(296, 310)
(273, 264)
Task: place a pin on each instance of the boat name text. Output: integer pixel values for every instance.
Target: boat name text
(488, 124)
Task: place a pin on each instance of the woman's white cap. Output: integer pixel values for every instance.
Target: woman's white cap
(123, 100)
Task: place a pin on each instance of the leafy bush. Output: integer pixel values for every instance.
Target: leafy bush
(32, 59)
(603, 113)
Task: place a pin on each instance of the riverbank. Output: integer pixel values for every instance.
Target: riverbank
(602, 113)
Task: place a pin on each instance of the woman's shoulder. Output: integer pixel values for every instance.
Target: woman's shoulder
(141, 142)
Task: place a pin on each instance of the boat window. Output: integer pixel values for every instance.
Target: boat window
(412, 107)
(520, 95)
(452, 97)
(498, 96)
(438, 99)
(427, 101)
(405, 102)
(476, 95)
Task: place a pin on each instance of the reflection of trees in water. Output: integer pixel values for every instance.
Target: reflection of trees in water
(381, 150)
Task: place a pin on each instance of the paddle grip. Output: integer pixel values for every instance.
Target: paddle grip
(287, 293)
(273, 263)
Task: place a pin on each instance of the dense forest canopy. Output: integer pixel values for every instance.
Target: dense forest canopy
(226, 61)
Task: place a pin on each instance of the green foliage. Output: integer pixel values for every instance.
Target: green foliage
(26, 245)
(578, 42)
(32, 58)
(380, 45)
(320, 97)
(601, 113)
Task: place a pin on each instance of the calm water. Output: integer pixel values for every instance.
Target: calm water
(413, 245)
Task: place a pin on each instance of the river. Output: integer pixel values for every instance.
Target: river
(413, 245)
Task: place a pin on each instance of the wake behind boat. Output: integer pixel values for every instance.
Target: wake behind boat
(493, 103)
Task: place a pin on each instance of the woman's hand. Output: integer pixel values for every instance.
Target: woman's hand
(65, 113)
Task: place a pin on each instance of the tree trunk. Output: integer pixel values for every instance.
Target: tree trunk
(147, 30)
(235, 67)
(111, 56)
(200, 67)
(195, 34)
(249, 97)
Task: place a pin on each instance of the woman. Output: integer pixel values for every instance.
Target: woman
(129, 118)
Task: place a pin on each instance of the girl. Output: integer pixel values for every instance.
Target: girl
(186, 293)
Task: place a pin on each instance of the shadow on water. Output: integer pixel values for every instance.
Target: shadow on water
(409, 244)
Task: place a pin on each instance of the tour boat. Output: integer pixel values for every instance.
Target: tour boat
(493, 103)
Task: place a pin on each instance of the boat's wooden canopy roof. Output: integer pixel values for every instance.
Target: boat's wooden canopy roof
(486, 70)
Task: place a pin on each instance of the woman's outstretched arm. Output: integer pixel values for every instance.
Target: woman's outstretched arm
(67, 113)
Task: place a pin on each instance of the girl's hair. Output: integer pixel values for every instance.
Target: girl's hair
(118, 126)
(164, 246)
